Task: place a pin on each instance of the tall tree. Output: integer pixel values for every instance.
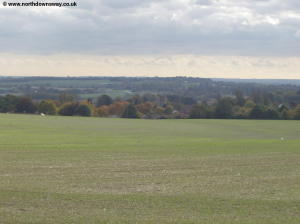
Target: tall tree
(104, 100)
(25, 105)
(240, 99)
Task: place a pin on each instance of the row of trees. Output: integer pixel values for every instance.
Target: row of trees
(228, 108)
(24, 104)
(153, 106)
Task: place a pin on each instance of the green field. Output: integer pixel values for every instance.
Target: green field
(92, 170)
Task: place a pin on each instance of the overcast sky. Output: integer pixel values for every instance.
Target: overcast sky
(207, 38)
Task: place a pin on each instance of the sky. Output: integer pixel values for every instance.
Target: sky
(201, 38)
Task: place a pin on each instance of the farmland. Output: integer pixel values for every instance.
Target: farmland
(94, 170)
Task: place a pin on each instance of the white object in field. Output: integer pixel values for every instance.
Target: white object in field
(282, 138)
(42, 114)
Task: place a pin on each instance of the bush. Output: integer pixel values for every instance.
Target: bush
(199, 111)
(75, 109)
(47, 107)
(84, 110)
(102, 111)
(271, 114)
(130, 112)
(257, 112)
(296, 113)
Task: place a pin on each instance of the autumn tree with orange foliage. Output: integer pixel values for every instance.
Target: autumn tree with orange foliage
(115, 109)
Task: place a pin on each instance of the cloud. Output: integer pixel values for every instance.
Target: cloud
(145, 27)
(117, 4)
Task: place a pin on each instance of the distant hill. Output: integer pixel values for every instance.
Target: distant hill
(200, 89)
(263, 81)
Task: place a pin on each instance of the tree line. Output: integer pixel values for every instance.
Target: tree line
(155, 106)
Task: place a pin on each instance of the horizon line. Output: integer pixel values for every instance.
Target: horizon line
(128, 76)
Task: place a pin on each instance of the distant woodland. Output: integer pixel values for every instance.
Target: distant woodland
(151, 98)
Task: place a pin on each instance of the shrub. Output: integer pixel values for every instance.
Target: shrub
(75, 109)
(83, 110)
(199, 111)
(257, 112)
(296, 113)
(130, 112)
(47, 107)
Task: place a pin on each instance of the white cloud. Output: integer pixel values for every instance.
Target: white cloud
(226, 27)
(297, 34)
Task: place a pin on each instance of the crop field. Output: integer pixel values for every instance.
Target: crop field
(93, 170)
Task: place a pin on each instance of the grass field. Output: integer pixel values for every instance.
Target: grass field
(92, 170)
